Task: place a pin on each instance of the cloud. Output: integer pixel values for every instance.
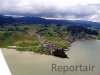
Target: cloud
(68, 9)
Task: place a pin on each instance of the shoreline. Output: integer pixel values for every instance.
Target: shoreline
(43, 53)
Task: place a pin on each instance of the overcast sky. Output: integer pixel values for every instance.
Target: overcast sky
(60, 9)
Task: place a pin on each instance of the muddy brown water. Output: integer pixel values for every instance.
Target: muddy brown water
(29, 63)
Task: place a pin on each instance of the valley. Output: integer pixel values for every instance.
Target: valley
(44, 39)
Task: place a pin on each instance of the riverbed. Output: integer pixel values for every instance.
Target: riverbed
(28, 63)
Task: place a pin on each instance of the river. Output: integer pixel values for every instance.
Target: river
(29, 63)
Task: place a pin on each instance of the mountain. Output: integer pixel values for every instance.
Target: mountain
(38, 20)
(30, 20)
(6, 20)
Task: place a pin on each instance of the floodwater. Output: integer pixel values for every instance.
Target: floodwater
(29, 63)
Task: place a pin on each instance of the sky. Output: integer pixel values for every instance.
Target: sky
(53, 9)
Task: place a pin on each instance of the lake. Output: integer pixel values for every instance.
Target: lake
(29, 63)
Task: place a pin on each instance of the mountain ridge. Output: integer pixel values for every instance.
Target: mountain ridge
(38, 20)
